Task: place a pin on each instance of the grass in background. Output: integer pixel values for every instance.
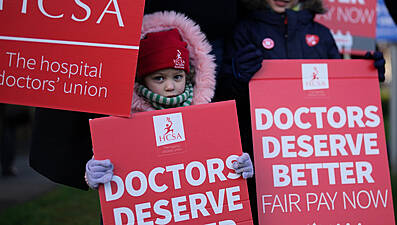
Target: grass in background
(63, 206)
(68, 206)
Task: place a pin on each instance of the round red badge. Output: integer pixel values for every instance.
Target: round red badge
(268, 43)
(312, 39)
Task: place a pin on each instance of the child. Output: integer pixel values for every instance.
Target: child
(275, 29)
(60, 152)
(174, 69)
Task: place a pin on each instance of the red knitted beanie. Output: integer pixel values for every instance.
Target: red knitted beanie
(161, 50)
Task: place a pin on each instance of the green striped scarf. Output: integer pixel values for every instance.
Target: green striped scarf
(161, 102)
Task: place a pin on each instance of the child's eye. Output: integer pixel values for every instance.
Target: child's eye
(158, 78)
(178, 77)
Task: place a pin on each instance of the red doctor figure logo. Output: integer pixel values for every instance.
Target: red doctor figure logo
(168, 127)
(179, 62)
(315, 73)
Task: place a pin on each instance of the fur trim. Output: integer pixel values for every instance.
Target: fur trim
(315, 6)
(199, 53)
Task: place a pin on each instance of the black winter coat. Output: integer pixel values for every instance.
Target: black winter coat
(61, 145)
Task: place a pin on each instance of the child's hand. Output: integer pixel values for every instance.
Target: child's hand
(244, 166)
(98, 172)
(379, 63)
(246, 62)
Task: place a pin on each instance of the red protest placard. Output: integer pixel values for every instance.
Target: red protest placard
(352, 23)
(70, 54)
(319, 143)
(173, 167)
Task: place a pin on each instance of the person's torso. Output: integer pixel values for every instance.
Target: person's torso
(293, 35)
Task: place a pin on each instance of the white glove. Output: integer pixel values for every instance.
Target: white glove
(243, 165)
(98, 172)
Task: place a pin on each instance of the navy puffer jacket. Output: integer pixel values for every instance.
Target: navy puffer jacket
(292, 35)
(289, 32)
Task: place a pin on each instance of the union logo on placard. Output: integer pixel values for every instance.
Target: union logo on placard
(168, 129)
(315, 76)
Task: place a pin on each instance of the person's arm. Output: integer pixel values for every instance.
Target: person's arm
(333, 52)
(61, 146)
(242, 59)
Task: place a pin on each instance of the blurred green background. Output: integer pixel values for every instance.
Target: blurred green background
(62, 206)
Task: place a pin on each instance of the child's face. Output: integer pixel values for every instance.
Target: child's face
(166, 82)
(279, 6)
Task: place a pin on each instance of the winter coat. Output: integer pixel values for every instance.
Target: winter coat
(201, 62)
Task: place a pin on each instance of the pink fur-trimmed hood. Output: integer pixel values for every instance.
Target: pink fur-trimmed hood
(199, 54)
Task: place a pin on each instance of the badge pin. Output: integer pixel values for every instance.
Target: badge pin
(268, 43)
(312, 39)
